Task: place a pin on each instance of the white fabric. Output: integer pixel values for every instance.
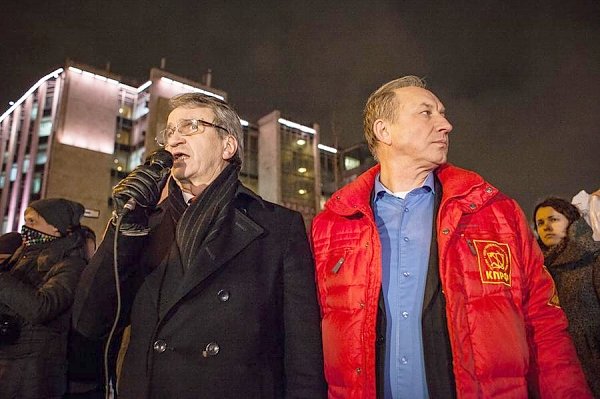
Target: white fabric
(589, 206)
(595, 214)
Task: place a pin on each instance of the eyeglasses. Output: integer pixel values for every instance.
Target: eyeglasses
(185, 127)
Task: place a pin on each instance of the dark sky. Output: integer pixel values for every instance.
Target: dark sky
(520, 79)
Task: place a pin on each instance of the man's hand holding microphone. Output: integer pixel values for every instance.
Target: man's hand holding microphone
(137, 194)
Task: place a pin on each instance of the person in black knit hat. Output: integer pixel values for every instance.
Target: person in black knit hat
(37, 287)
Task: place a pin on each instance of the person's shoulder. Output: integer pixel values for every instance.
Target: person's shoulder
(472, 188)
(249, 200)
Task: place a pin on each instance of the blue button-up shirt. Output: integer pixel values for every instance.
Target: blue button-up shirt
(405, 227)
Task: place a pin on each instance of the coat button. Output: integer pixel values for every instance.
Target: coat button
(358, 370)
(445, 231)
(212, 349)
(489, 190)
(223, 295)
(380, 339)
(159, 346)
(472, 206)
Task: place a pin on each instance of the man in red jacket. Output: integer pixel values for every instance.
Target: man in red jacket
(430, 282)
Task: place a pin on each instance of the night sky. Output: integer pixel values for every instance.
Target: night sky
(520, 79)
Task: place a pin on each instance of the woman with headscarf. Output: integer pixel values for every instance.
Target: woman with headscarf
(37, 288)
(573, 259)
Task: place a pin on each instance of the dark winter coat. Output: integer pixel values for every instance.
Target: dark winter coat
(242, 322)
(575, 267)
(37, 287)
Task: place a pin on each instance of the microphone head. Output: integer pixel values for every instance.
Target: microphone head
(161, 157)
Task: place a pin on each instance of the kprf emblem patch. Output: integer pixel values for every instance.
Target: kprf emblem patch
(494, 262)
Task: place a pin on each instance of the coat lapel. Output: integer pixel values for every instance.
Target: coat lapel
(237, 232)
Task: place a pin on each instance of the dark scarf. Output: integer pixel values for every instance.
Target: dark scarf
(201, 221)
(35, 237)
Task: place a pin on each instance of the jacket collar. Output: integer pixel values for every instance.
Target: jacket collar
(467, 187)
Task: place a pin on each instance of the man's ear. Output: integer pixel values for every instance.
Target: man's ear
(230, 146)
(381, 130)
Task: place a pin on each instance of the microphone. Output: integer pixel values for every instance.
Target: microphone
(156, 162)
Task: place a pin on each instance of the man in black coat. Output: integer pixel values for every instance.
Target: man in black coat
(219, 294)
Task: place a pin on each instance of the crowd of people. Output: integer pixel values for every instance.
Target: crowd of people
(419, 279)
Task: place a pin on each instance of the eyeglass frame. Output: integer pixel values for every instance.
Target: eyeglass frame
(200, 122)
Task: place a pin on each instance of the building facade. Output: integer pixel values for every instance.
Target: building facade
(79, 130)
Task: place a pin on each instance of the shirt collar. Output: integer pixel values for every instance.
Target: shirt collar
(379, 189)
(187, 197)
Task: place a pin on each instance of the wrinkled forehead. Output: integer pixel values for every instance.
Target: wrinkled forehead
(190, 112)
(414, 96)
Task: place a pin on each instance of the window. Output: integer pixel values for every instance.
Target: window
(351, 163)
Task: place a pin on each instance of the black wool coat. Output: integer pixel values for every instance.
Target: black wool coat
(242, 322)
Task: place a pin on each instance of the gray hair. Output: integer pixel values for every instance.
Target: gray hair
(382, 105)
(225, 116)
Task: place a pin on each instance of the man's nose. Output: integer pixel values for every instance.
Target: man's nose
(175, 139)
(443, 125)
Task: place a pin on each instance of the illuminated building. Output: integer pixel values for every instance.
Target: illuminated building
(79, 130)
(354, 161)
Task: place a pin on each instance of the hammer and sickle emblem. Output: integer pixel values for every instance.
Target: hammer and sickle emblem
(496, 260)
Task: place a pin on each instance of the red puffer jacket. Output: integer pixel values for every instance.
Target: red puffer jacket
(506, 333)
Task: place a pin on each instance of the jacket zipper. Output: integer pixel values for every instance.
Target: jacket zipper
(471, 246)
(336, 267)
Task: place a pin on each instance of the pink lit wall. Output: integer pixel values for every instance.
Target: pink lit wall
(90, 107)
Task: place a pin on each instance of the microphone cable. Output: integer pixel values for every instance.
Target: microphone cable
(107, 385)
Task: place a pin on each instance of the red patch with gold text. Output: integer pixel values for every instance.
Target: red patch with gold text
(494, 262)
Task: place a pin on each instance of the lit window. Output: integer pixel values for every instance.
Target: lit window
(302, 191)
(351, 163)
(301, 170)
(301, 142)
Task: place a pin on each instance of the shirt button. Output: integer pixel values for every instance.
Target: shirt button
(406, 274)
(404, 360)
(212, 349)
(223, 295)
(159, 346)
(405, 209)
(405, 315)
(405, 239)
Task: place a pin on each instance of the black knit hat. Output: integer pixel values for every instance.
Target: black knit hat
(9, 242)
(59, 212)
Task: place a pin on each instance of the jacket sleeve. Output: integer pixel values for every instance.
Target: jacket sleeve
(44, 303)
(95, 305)
(303, 347)
(555, 370)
